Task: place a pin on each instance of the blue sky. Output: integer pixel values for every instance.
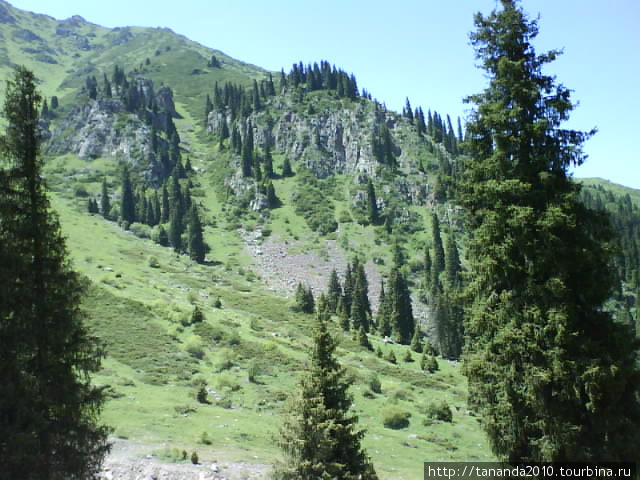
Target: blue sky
(417, 49)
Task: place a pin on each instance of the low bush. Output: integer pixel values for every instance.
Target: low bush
(395, 418)
(440, 411)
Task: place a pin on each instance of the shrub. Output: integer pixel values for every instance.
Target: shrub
(204, 439)
(429, 363)
(374, 384)
(407, 356)
(395, 418)
(193, 346)
(440, 411)
(80, 191)
(202, 396)
(140, 230)
(390, 357)
(153, 262)
(253, 371)
(196, 316)
(194, 458)
(226, 382)
(227, 359)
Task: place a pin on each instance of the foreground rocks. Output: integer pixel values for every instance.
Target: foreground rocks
(128, 461)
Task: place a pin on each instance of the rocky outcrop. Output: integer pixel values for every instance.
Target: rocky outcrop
(104, 128)
(327, 142)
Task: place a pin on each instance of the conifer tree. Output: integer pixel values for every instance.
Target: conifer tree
(372, 203)
(247, 152)
(163, 237)
(127, 204)
(452, 263)
(550, 372)
(426, 267)
(48, 405)
(416, 341)
(334, 291)
(105, 203)
(165, 204)
(384, 313)
(208, 107)
(286, 167)
(197, 248)
(437, 267)
(268, 162)
(402, 321)
(319, 438)
(272, 198)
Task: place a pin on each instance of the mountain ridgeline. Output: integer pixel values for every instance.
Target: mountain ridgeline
(226, 220)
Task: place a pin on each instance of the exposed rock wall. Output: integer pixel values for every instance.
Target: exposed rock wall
(326, 142)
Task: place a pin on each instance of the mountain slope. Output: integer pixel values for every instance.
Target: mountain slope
(251, 346)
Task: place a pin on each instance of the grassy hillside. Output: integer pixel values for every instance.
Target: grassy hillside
(63, 53)
(140, 301)
(250, 349)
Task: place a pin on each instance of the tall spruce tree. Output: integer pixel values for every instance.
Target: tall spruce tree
(402, 321)
(48, 405)
(334, 292)
(553, 376)
(319, 438)
(372, 204)
(127, 203)
(437, 265)
(105, 203)
(197, 248)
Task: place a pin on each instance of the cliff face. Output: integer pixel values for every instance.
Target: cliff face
(327, 142)
(106, 127)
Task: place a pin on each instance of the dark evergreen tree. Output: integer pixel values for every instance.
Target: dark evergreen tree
(286, 167)
(247, 152)
(358, 316)
(45, 109)
(402, 321)
(105, 203)
(268, 162)
(385, 310)
(334, 292)
(165, 205)
(208, 107)
(416, 341)
(214, 62)
(163, 237)
(426, 268)
(272, 198)
(437, 267)
(319, 437)
(54, 102)
(363, 339)
(452, 267)
(551, 373)
(407, 111)
(372, 204)
(176, 215)
(304, 299)
(49, 406)
(127, 204)
(197, 248)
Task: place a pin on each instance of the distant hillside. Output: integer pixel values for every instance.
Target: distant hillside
(63, 52)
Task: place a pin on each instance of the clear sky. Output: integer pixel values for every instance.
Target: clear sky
(417, 49)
